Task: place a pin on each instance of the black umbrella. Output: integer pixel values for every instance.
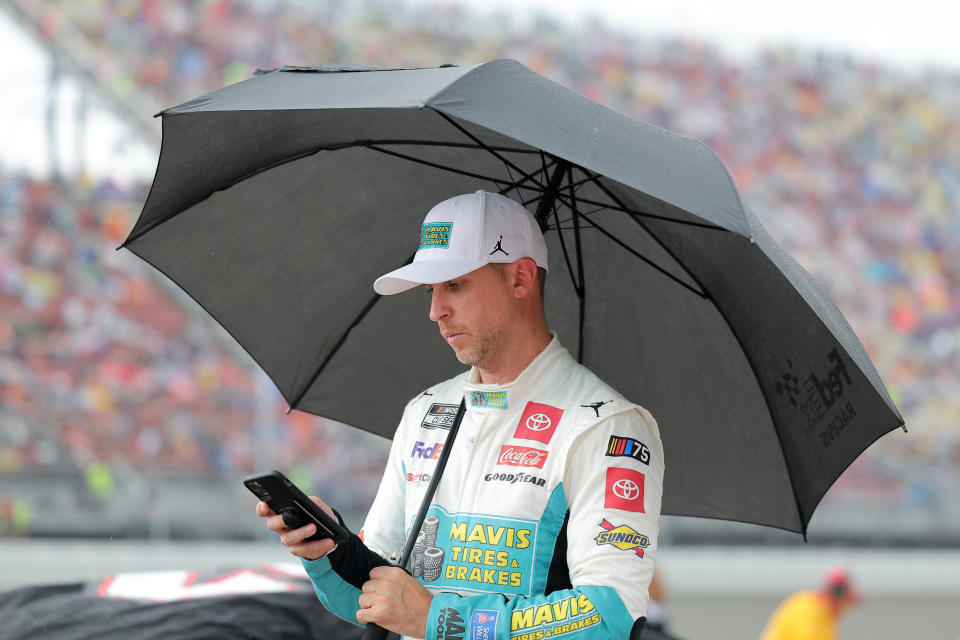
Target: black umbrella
(277, 201)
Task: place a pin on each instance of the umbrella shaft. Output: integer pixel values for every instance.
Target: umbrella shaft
(432, 487)
(376, 632)
(549, 196)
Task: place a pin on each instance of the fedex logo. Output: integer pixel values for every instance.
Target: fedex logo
(423, 450)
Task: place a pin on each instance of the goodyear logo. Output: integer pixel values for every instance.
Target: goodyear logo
(435, 235)
(553, 618)
(622, 537)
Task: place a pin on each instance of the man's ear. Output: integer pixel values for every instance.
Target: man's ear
(525, 277)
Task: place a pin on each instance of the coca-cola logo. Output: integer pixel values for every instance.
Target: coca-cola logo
(522, 456)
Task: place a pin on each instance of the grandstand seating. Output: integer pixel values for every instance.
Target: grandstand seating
(853, 167)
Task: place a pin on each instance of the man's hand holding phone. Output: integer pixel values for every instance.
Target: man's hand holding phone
(390, 596)
(295, 539)
(306, 526)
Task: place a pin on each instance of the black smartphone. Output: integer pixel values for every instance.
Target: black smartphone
(296, 508)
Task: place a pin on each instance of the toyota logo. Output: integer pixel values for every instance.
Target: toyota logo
(626, 489)
(538, 422)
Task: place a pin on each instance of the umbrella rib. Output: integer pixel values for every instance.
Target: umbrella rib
(491, 150)
(216, 319)
(158, 221)
(573, 207)
(563, 244)
(579, 183)
(566, 255)
(545, 169)
(594, 178)
(336, 347)
(548, 199)
(516, 183)
(578, 281)
(582, 293)
(437, 165)
(690, 223)
(743, 349)
(635, 218)
(513, 185)
(582, 213)
(337, 147)
(702, 294)
(459, 145)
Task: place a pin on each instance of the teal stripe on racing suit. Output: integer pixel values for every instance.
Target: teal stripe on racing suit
(335, 593)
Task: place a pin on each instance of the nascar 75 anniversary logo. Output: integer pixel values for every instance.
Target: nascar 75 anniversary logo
(629, 448)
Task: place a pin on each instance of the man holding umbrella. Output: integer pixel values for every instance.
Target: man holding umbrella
(545, 522)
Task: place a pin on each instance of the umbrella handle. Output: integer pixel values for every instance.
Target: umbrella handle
(375, 631)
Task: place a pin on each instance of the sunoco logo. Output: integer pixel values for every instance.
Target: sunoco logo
(622, 537)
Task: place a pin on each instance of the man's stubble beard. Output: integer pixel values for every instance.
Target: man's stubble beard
(487, 348)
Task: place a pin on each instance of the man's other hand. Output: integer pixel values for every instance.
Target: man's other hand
(295, 539)
(395, 600)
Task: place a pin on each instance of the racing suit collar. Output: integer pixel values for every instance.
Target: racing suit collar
(496, 396)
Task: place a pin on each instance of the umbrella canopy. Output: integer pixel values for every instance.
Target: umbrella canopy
(278, 200)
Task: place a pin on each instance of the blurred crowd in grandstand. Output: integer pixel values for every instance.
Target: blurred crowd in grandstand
(99, 364)
(854, 168)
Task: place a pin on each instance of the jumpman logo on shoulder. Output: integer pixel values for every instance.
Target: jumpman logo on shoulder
(596, 406)
(499, 247)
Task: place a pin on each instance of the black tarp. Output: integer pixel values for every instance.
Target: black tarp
(261, 602)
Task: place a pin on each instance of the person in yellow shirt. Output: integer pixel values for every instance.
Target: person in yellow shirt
(813, 614)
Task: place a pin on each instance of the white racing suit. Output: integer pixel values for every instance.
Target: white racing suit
(545, 521)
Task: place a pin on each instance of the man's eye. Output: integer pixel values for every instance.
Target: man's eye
(455, 284)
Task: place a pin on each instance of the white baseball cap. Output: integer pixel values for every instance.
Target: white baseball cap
(464, 233)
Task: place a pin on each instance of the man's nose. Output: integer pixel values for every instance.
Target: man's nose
(438, 305)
